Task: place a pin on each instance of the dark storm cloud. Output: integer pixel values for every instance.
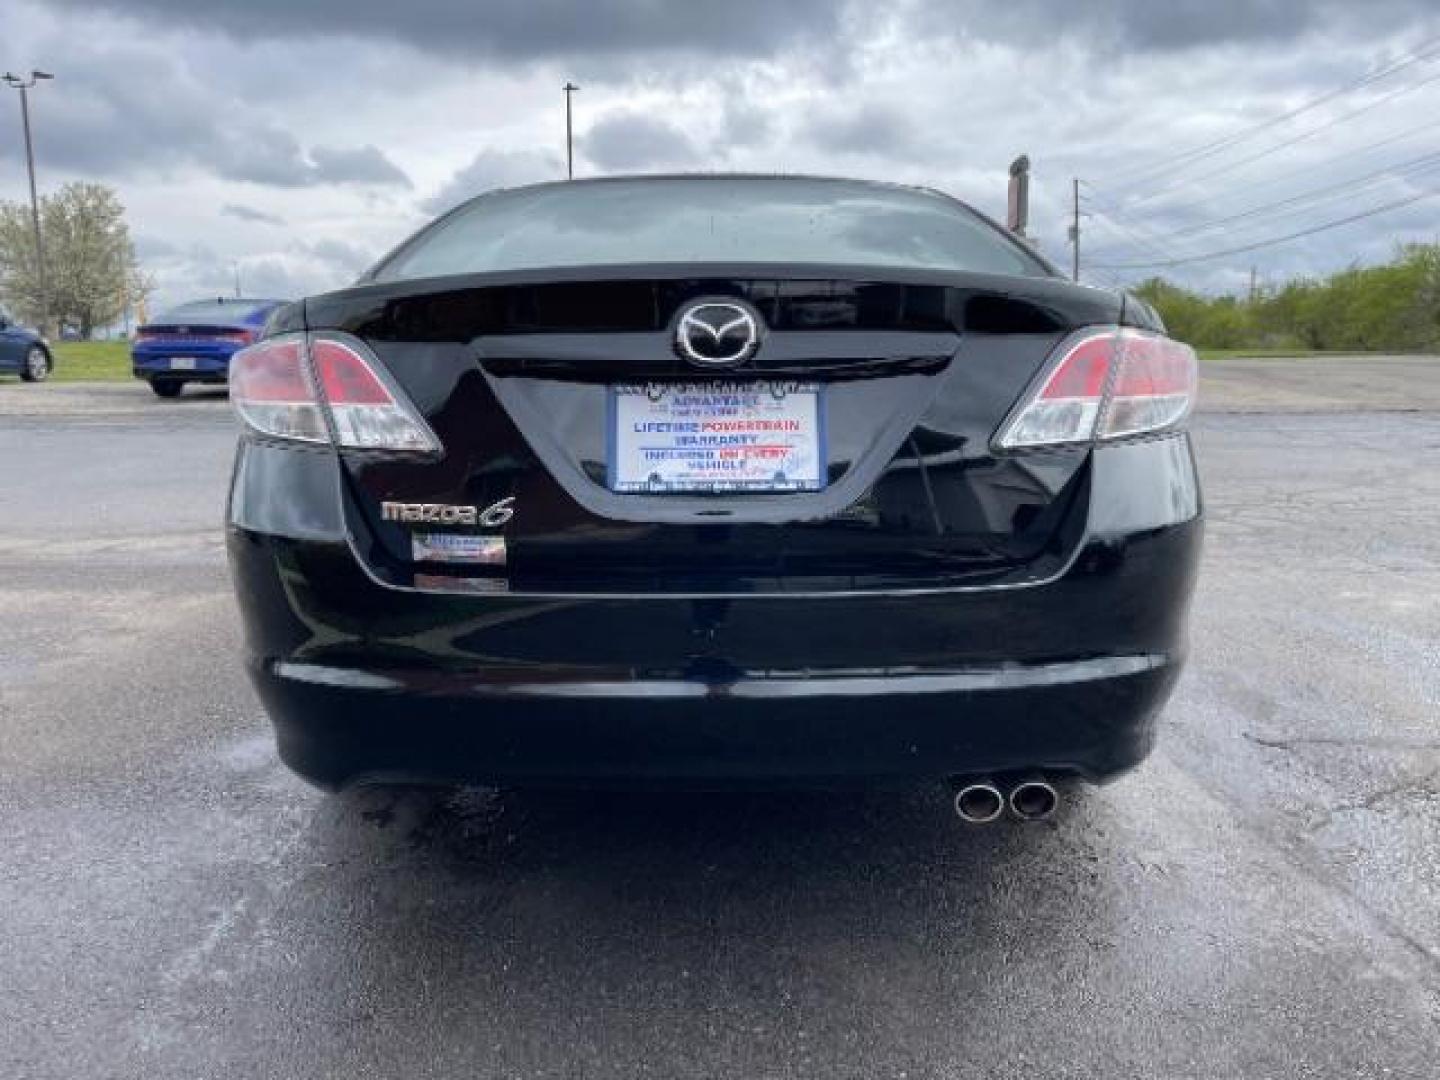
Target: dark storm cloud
(260, 155)
(943, 92)
(100, 119)
(624, 142)
(1163, 25)
(360, 165)
(249, 213)
(521, 32)
(114, 126)
(543, 29)
(495, 169)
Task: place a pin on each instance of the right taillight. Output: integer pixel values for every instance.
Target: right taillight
(324, 388)
(1109, 383)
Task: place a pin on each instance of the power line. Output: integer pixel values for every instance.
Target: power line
(1115, 226)
(1277, 147)
(1143, 234)
(1408, 133)
(1425, 51)
(1396, 205)
(1136, 239)
(1108, 278)
(1155, 243)
(1100, 269)
(1421, 164)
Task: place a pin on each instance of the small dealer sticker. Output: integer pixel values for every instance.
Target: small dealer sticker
(455, 548)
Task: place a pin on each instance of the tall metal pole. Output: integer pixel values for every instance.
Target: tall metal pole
(24, 88)
(1075, 232)
(570, 88)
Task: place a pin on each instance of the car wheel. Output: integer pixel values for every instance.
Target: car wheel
(37, 365)
(167, 388)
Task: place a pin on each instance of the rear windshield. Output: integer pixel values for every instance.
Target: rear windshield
(216, 311)
(709, 219)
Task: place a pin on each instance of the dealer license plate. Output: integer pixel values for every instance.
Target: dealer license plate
(717, 437)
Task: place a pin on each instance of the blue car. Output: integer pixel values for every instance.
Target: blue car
(24, 352)
(194, 342)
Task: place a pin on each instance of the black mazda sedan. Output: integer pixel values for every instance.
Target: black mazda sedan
(716, 480)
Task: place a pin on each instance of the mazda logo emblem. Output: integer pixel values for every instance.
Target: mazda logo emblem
(717, 333)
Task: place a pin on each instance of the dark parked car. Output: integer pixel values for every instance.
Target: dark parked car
(24, 352)
(716, 480)
(194, 342)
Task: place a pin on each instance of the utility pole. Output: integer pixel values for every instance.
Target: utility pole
(1075, 231)
(24, 86)
(570, 88)
(1254, 285)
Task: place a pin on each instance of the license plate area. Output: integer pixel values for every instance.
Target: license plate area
(716, 437)
(182, 363)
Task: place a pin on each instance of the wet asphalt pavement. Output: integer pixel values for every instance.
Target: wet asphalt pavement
(1261, 899)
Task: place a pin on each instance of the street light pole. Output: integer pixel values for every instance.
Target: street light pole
(570, 88)
(24, 86)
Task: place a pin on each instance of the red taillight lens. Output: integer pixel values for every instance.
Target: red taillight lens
(1108, 384)
(1154, 389)
(367, 414)
(345, 376)
(273, 386)
(1083, 372)
(271, 389)
(239, 337)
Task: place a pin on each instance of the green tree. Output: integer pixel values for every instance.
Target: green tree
(91, 273)
(1391, 307)
(1182, 310)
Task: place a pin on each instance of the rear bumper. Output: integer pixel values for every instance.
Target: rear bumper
(364, 681)
(338, 726)
(210, 366)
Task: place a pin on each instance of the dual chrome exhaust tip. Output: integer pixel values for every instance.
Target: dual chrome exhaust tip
(979, 804)
(982, 802)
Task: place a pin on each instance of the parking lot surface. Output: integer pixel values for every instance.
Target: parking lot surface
(1262, 898)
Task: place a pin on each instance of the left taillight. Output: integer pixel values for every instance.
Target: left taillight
(272, 390)
(1106, 383)
(320, 388)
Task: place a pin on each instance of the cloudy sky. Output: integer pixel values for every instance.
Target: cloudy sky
(297, 140)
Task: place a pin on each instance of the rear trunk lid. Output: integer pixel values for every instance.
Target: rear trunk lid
(908, 376)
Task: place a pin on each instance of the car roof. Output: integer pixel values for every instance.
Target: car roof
(216, 311)
(729, 177)
(225, 301)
